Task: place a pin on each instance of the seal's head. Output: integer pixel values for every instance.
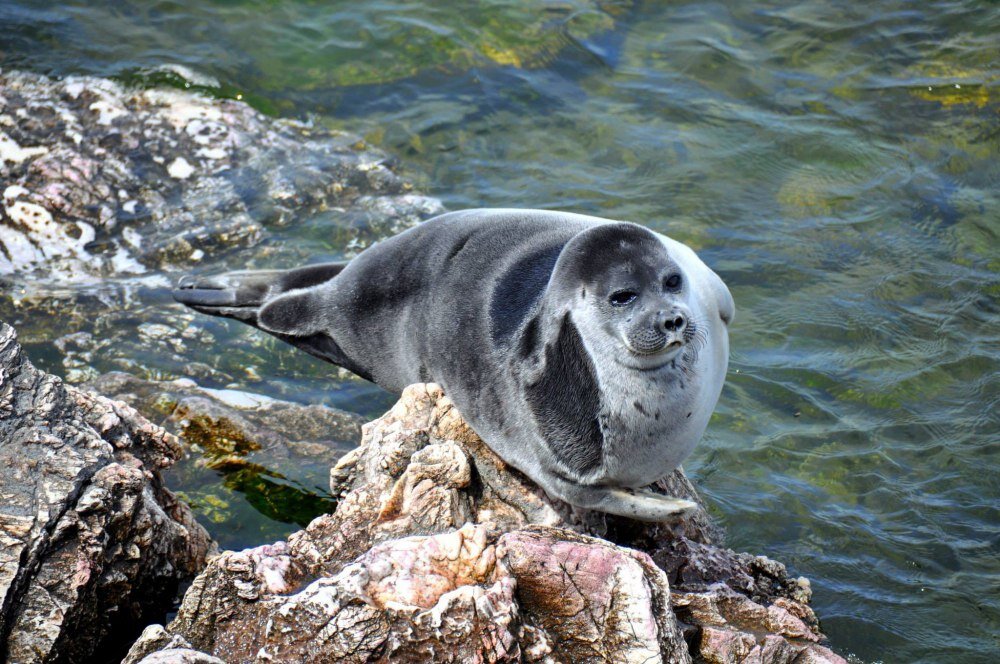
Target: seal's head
(632, 297)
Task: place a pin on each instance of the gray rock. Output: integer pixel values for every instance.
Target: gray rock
(93, 545)
(100, 179)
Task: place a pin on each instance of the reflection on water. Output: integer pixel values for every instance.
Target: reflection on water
(837, 163)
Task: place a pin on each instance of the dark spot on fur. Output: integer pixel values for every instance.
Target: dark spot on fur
(638, 407)
(519, 289)
(656, 416)
(623, 246)
(566, 402)
(689, 414)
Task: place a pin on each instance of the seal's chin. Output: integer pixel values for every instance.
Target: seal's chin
(648, 361)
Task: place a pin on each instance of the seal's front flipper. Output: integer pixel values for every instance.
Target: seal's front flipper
(648, 506)
(637, 504)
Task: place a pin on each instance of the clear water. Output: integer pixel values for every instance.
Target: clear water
(838, 163)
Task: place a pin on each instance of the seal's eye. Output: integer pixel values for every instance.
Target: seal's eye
(622, 297)
(673, 282)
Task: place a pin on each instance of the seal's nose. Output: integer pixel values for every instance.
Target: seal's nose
(674, 322)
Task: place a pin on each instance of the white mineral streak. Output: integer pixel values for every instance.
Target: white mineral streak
(13, 153)
(125, 263)
(107, 111)
(130, 235)
(179, 168)
(13, 191)
(30, 238)
(239, 399)
(211, 153)
(74, 87)
(180, 108)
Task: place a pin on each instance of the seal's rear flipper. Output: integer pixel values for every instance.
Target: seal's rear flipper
(285, 303)
(241, 295)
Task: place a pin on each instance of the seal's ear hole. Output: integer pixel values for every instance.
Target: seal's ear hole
(296, 314)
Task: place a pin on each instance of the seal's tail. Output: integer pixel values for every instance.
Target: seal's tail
(241, 295)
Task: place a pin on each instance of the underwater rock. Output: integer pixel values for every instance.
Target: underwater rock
(101, 179)
(228, 426)
(272, 455)
(439, 551)
(94, 547)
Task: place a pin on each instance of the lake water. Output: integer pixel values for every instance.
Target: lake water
(838, 163)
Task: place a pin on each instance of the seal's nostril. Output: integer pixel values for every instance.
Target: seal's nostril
(674, 324)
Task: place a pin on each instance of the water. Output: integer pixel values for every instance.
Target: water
(837, 163)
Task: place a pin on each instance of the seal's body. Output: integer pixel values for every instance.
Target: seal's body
(587, 353)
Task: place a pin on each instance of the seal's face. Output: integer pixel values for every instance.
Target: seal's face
(642, 306)
(635, 298)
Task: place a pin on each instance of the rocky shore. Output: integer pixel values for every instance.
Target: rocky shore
(427, 546)
(93, 546)
(435, 551)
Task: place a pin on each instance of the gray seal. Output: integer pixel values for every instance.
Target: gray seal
(587, 353)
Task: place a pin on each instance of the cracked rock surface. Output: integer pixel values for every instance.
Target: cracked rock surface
(92, 545)
(438, 551)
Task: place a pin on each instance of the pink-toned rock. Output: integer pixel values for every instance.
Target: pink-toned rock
(594, 601)
(438, 551)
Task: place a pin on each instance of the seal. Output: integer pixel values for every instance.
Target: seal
(587, 353)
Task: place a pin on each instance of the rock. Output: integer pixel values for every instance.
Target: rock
(93, 545)
(156, 645)
(228, 426)
(101, 179)
(439, 551)
(273, 452)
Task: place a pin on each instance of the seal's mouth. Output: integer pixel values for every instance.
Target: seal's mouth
(647, 360)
